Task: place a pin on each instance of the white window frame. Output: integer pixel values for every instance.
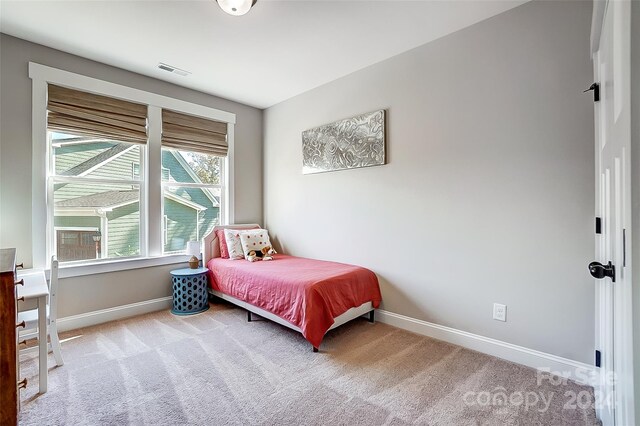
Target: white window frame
(172, 183)
(152, 233)
(53, 179)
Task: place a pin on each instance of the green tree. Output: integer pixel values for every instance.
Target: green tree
(206, 167)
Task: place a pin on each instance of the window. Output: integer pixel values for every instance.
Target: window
(75, 244)
(191, 196)
(93, 187)
(135, 171)
(93, 140)
(104, 199)
(193, 150)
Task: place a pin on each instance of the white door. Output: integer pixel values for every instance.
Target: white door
(614, 387)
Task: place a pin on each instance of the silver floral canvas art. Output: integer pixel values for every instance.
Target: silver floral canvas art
(346, 144)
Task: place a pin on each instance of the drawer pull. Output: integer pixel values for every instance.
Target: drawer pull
(21, 282)
(21, 299)
(20, 265)
(22, 324)
(24, 342)
(22, 384)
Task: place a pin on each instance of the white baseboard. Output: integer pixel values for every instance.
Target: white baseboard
(111, 314)
(574, 370)
(567, 368)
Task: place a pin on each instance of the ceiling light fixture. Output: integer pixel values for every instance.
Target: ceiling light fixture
(236, 7)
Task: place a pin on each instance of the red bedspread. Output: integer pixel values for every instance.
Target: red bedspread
(305, 292)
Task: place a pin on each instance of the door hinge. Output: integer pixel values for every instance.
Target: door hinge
(598, 358)
(624, 248)
(598, 225)
(596, 91)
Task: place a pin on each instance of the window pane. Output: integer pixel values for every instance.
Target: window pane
(183, 166)
(190, 214)
(94, 157)
(86, 212)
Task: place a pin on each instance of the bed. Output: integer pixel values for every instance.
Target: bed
(306, 295)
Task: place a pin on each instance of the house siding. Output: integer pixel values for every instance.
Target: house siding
(124, 231)
(120, 167)
(178, 233)
(181, 225)
(184, 223)
(69, 156)
(77, 222)
(177, 171)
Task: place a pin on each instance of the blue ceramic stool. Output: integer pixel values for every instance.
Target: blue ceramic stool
(190, 294)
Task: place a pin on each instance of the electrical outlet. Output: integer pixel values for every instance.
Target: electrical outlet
(499, 312)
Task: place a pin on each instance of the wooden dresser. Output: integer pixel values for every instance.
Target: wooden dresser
(9, 366)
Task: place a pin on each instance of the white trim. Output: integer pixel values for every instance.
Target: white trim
(41, 188)
(69, 269)
(597, 21)
(193, 185)
(154, 197)
(79, 211)
(191, 204)
(77, 140)
(229, 182)
(567, 368)
(47, 74)
(98, 181)
(578, 371)
(350, 314)
(75, 228)
(88, 319)
(150, 195)
(91, 211)
(124, 203)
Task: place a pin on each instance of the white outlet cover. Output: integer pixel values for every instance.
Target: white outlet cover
(499, 312)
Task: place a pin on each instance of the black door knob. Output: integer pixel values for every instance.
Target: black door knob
(598, 270)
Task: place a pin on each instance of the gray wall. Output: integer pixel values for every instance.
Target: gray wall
(488, 194)
(89, 293)
(635, 178)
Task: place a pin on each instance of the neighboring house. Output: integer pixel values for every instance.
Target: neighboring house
(113, 209)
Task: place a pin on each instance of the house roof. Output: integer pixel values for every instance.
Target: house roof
(108, 199)
(104, 156)
(113, 199)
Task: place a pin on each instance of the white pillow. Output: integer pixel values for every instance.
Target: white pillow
(234, 245)
(255, 239)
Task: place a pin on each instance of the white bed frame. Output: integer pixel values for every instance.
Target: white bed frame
(212, 249)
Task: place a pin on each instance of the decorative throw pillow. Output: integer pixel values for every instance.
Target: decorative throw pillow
(254, 240)
(234, 246)
(222, 241)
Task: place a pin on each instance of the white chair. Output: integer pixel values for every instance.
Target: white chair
(30, 317)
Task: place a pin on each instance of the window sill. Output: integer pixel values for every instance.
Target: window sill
(115, 265)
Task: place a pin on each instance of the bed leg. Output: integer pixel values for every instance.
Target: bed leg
(248, 316)
(315, 349)
(371, 316)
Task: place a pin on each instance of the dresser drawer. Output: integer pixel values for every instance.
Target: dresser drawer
(9, 363)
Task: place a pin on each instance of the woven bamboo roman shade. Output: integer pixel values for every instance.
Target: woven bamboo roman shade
(189, 133)
(86, 114)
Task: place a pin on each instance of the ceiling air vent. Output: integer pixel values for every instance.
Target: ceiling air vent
(172, 69)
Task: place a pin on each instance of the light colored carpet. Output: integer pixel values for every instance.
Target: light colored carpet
(216, 368)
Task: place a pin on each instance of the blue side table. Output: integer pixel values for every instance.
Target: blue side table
(190, 294)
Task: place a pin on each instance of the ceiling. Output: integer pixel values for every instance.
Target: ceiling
(278, 50)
